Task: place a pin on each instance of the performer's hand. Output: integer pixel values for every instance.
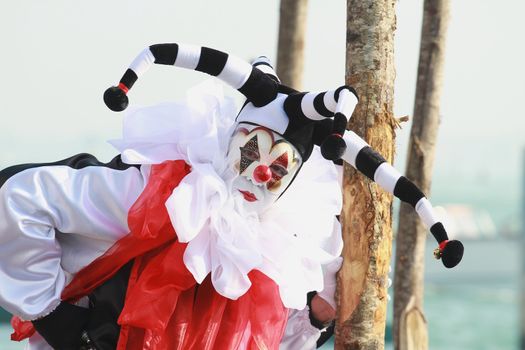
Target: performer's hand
(321, 310)
(63, 327)
(86, 343)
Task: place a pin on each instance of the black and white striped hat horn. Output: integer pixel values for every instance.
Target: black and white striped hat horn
(258, 82)
(258, 87)
(264, 65)
(310, 107)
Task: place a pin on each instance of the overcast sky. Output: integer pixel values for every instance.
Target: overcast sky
(59, 56)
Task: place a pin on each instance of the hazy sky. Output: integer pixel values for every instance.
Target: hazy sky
(59, 56)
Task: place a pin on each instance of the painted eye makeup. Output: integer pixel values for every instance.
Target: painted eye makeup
(279, 167)
(249, 154)
(278, 171)
(260, 146)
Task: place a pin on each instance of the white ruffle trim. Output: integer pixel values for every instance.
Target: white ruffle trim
(283, 242)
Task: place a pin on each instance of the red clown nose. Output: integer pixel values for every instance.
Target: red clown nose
(262, 173)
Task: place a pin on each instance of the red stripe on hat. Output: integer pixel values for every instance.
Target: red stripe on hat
(123, 87)
(443, 244)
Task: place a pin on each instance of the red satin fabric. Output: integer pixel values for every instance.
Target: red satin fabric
(149, 224)
(205, 320)
(165, 308)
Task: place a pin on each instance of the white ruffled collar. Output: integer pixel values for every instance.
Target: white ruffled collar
(223, 239)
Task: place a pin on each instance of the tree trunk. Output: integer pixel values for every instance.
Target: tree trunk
(290, 51)
(366, 216)
(410, 245)
(522, 311)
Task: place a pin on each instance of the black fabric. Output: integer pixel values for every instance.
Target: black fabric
(273, 77)
(300, 129)
(326, 334)
(349, 88)
(322, 130)
(62, 328)
(333, 147)
(439, 232)
(78, 161)
(165, 53)
(115, 99)
(352, 90)
(406, 191)
(263, 63)
(301, 138)
(292, 107)
(106, 304)
(320, 107)
(367, 161)
(452, 253)
(129, 78)
(339, 123)
(260, 89)
(337, 92)
(99, 321)
(283, 89)
(338, 162)
(315, 322)
(211, 61)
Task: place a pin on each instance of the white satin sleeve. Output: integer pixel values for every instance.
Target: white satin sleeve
(54, 221)
(333, 245)
(299, 333)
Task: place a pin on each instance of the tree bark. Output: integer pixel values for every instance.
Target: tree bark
(290, 50)
(411, 237)
(366, 216)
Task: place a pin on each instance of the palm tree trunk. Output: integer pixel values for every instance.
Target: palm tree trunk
(290, 51)
(366, 216)
(410, 327)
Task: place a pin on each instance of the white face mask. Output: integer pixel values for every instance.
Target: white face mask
(265, 164)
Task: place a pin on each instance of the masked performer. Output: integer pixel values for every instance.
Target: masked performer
(206, 232)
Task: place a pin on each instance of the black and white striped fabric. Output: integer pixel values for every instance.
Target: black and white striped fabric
(362, 157)
(295, 115)
(290, 113)
(258, 82)
(316, 106)
(265, 65)
(251, 80)
(319, 107)
(258, 87)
